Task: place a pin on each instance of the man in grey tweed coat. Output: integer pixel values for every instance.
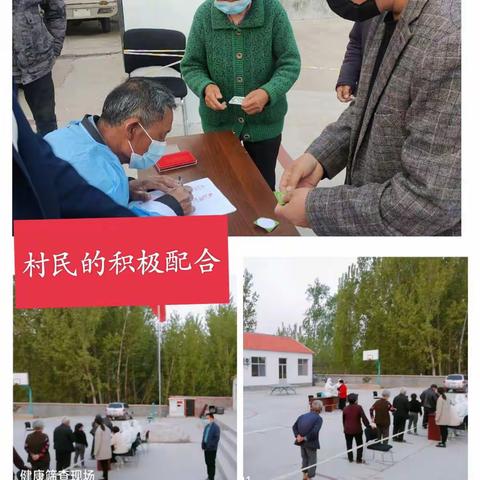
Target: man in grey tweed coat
(399, 140)
(38, 32)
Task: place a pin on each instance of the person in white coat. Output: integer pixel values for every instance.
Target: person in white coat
(443, 416)
(103, 446)
(121, 443)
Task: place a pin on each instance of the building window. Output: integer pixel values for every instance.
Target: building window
(302, 367)
(258, 367)
(282, 368)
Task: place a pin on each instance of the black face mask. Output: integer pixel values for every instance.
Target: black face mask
(351, 11)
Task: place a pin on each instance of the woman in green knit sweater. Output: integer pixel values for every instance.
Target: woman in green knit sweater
(243, 48)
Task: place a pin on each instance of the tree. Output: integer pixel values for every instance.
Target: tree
(250, 299)
(99, 355)
(414, 310)
(293, 331)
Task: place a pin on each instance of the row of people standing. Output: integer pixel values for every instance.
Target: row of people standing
(66, 442)
(306, 428)
(433, 402)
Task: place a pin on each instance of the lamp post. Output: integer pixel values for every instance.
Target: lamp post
(159, 367)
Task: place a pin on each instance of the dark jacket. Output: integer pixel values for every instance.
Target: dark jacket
(353, 416)
(63, 439)
(18, 461)
(402, 406)
(429, 399)
(45, 186)
(415, 407)
(37, 443)
(213, 437)
(308, 426)
(38, 32)
(380, 412)
(352, 62)
(80, 437)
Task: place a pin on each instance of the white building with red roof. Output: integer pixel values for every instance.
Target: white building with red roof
(271, 360)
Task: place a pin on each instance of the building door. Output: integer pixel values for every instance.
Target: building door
(189, 407)
(282, 368)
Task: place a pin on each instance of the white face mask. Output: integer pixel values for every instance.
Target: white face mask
(155, 152)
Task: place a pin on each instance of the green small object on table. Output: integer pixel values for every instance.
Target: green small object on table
(280, 197)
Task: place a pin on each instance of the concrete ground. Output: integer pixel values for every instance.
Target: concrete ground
(269, 452)
(167, 460)
(91, 64)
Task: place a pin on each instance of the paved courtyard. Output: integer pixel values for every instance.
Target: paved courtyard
(269, 452)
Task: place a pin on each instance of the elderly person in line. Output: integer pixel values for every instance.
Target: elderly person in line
(400, 415)
(102, 446)
(37, 446)
(136, 118)
(306, 430)
(246, 49)
(380, 415)
(63, 443)
(445, 417)
(352, 418)
(429, 403)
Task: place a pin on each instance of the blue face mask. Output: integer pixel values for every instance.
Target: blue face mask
(232, 8)
(155, 152)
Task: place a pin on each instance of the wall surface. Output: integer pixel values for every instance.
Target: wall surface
(225, 402)
(306, 9)
(271, 378)
(45, 410)
(386, 381)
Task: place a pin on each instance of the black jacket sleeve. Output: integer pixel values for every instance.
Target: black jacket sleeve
(352, 62)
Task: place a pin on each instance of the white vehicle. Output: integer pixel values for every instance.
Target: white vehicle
(131, 432)
(456, 382)
(102, 10)
(118, 410)
(131, 429)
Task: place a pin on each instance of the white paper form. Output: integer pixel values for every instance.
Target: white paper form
(207, 199)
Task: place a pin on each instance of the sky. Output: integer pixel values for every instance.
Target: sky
(281, 284)
(184, 310)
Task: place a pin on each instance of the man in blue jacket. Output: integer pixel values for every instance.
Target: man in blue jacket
(306, 430)
(136, 118)
(46, 187)
(210, 439)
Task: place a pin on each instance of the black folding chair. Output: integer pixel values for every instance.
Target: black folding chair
(152, 47)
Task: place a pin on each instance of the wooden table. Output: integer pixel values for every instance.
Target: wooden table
(222, 158)
(329, 403)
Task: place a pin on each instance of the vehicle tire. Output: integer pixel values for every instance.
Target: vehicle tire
(106, 25)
